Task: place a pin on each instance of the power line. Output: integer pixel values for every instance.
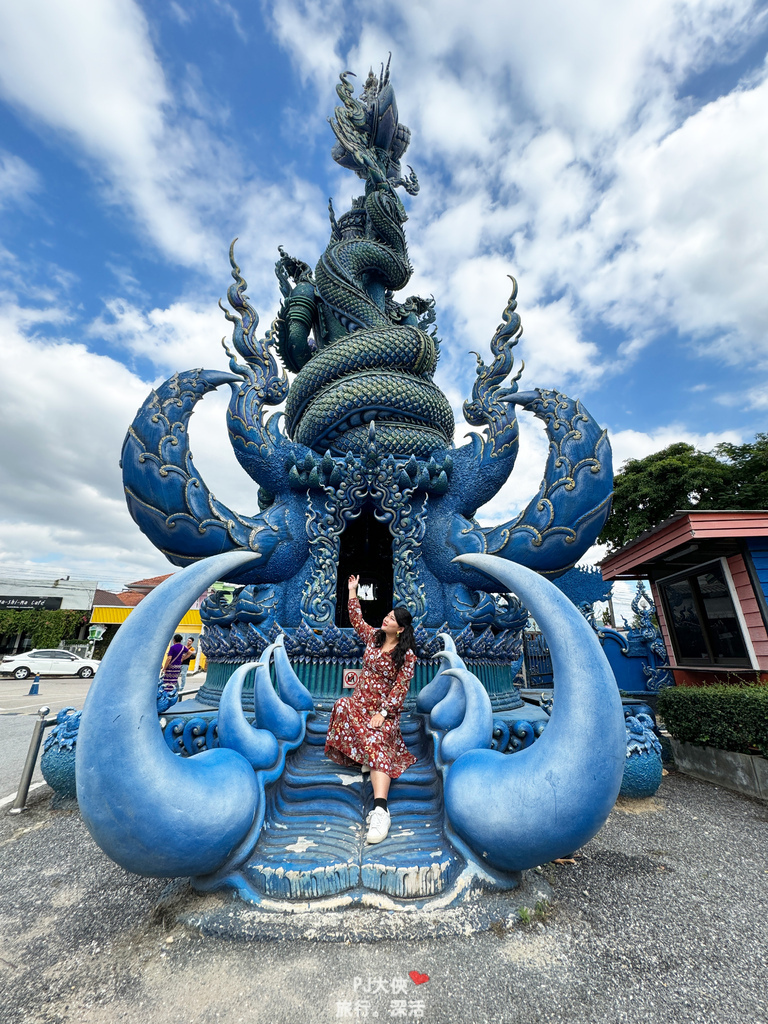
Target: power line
(17, 575)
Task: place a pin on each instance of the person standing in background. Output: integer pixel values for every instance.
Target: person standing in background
(172, 663)
(186, 660)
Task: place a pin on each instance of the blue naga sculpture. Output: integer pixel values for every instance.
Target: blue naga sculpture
(369, 433)
(363, 477)
(643, 768)
(263, 813)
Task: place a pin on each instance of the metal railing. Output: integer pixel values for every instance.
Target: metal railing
(42, 723)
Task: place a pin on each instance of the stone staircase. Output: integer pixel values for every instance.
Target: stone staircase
(312, 844)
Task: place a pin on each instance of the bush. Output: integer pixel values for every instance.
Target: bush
(718, 716)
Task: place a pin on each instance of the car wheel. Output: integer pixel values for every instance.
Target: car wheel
(85, 673)
(20, 673)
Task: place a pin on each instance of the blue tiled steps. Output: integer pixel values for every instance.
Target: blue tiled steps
(313, 844)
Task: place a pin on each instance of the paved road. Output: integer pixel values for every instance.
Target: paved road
(17, 714)
(56, 692)
(15, 734)
(18, 711)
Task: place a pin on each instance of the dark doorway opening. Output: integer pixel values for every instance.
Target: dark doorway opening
(366, 549)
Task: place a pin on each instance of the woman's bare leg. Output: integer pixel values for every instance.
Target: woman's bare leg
(380, 782)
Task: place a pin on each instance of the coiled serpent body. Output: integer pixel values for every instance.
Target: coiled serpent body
(375, 369)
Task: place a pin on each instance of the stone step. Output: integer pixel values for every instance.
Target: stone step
(312, 844)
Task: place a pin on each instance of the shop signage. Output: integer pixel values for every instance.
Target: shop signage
(25, 603)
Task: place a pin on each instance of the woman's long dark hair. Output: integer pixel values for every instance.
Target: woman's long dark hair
(405, 642)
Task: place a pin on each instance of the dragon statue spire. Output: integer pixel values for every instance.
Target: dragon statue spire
(367, 431)
(363, 476)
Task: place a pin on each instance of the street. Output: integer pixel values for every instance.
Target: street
(56, 692)
(18, 710)
(17, 713)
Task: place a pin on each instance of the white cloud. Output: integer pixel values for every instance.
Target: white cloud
(183, 337)
(551, 142)
(692, 213)
(311, 29)
(526, 476)
(179, 337)
(188, 332)
(637, 444)
(89, 72)
(588, 66)
(555, 353)
(524, 482)
(17, 180)
(232, 13)
(62, 498)
(215, 459)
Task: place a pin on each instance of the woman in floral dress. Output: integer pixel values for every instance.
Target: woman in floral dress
(365, 728)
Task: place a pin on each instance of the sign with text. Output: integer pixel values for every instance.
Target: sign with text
(25, 603)
(350, 678)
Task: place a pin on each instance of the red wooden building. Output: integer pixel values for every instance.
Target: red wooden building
(709, 577)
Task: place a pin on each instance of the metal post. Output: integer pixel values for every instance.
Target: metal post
(29, 766)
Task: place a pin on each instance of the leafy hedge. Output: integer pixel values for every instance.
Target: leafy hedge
(718, 716)
(45, 628)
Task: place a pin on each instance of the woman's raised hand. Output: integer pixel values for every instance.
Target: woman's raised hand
(352, 583)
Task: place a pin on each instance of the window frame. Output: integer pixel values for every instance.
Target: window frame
(689, 574)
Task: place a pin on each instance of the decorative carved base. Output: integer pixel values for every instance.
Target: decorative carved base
(312, 844)
(323, 679)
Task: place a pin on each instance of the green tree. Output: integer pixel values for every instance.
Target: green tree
(749, 472)
(648, 491)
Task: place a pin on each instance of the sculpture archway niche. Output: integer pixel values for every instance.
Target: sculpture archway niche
(365, 549)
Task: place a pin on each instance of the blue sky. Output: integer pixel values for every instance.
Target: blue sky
(613, 157)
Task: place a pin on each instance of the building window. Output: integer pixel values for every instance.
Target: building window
(702, 619)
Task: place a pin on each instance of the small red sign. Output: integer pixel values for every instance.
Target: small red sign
(350, 678)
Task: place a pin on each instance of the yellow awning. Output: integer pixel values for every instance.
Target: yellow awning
(192, 623)
(109, 615)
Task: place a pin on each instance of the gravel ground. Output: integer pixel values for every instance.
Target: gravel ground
(663, 917)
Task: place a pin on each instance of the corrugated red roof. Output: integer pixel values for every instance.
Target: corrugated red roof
(131, 598)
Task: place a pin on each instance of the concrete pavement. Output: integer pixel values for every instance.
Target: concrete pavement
(15, 734)
(663, 918)
(56, 692)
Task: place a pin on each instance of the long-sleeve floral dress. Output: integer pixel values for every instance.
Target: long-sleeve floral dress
(351, 740)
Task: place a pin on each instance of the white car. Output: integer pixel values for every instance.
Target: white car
(48, 663)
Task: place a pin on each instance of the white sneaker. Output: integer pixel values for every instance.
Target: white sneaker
(378, 827)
